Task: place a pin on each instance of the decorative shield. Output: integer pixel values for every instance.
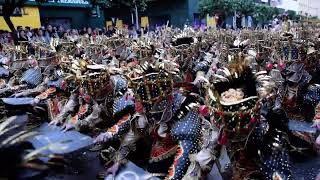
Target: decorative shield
(32, 77)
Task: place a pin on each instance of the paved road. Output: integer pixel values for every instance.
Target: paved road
(85, 166)
(307, 170)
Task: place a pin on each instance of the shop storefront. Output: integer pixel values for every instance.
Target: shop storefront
(176, 12)
(71, 14)
(79, 14)
(67, 13)
(26, 16)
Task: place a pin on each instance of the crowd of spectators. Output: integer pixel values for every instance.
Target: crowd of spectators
(44, 34)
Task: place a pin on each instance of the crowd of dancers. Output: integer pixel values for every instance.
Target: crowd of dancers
(185, 101)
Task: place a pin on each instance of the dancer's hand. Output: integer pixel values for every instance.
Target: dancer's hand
(114, 169)
(67, 126)
(103, 137)
(316, 124)
(317, 144)
(20, 94)
(54, 122)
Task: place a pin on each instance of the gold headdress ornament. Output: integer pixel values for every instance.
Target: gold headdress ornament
(153, 84)
(237, 92)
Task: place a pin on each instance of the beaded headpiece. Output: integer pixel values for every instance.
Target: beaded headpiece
(237, 91)
(154, 85)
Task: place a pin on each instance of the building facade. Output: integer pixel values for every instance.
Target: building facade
(27, 16)
(66, 13)
(79, 14)
(309, 8)
(292, 5)
(70, 13)
(159, 12)
(266, 2)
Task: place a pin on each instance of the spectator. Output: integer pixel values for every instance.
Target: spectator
(43, 28)
(74, 35)
(19, 28)
(42, 37)
(65, 36)
(47, 36)
(68, 31)
(49, 31)
(78, 53)
(55, 32)
(4, 37)
(9, 37)
(23, 36)
(100, 32)
(28, 33)
(111, 31)
(31, 49)
(146, 29)
(104, 30)
(277, 26)
(35, 35)
(95, 32)
(61, 32)
(89, 32)
(83, 31)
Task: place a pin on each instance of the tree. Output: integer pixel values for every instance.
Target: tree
(226, 7)
(245, 7)
(264, 13)
(206, 7)
(134, 5)
(221, 7)
(292, 15)
(142, 4)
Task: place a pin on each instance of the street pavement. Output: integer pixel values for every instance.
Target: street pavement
(86, 166)
(82, 164)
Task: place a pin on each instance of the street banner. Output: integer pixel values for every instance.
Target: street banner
(211, 22)
(119, 24)
(144, 21)
(108, 23)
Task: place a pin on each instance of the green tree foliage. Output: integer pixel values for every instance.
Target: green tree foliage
(222, 7)
(245, 7)
(206, 7)
(292, 15)
(263, 13)
(226, 8)
(142, 4)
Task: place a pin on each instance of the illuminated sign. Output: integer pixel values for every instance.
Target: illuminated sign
(67, 1)
(73, 1)
(16, 12)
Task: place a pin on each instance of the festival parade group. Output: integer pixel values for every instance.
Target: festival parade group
(245, 102)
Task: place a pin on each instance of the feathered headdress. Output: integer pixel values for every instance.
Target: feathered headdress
(237, 92)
